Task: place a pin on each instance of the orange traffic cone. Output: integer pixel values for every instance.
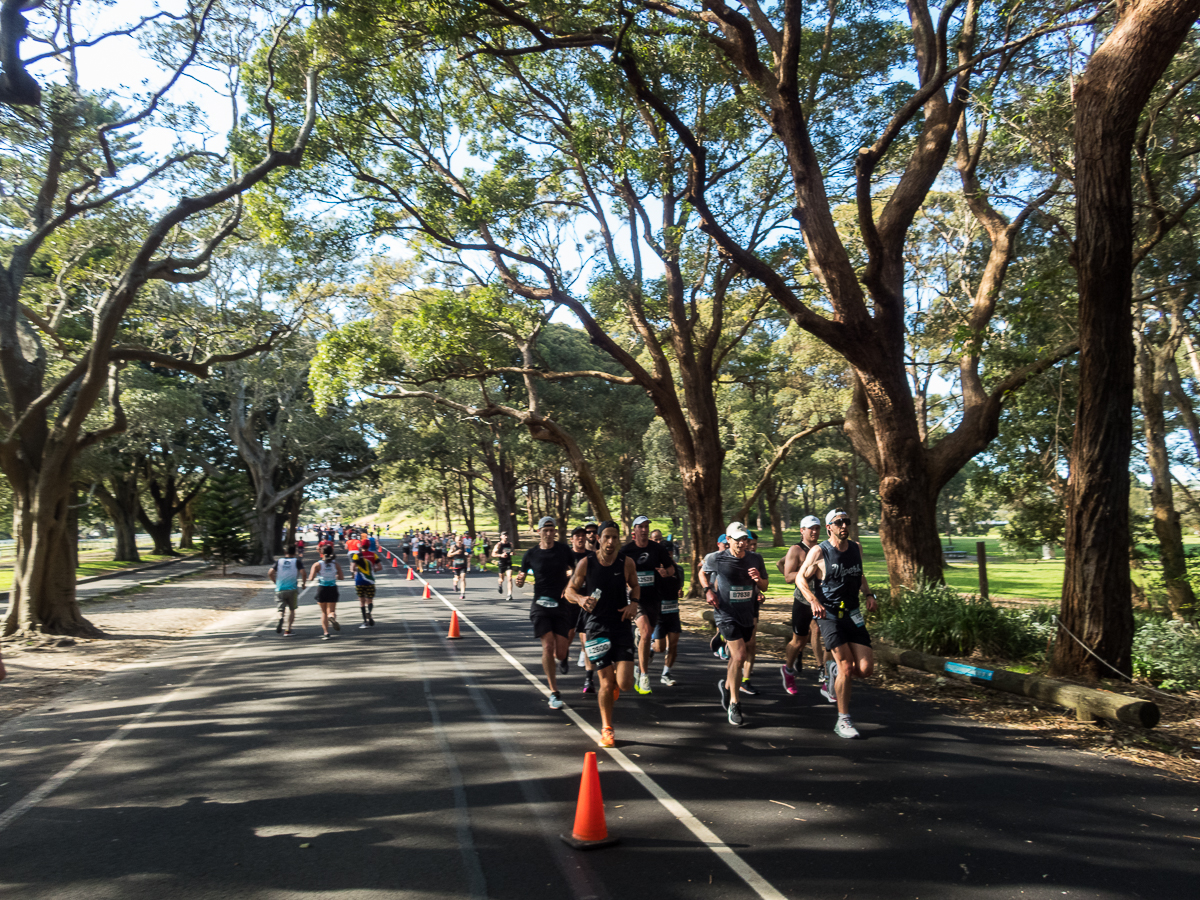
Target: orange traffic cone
(410, 574)
(395, 563)
(590, 830)
(426, 595)
(453, 626)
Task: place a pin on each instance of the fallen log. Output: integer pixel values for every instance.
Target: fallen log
(1088, 703)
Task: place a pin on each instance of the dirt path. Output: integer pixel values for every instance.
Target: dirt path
(138, 621)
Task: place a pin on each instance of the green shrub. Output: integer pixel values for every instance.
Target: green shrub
(935, 619)
(1166, 652)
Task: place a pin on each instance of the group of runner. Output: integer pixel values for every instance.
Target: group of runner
(623, 604)
(436, 552)
(291, 578)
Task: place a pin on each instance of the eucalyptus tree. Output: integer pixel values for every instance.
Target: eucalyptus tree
(92, 214)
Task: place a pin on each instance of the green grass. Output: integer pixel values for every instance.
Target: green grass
(91, 568)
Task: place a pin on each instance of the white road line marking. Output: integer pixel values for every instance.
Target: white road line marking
(723, 851)
(93, 753)
(476, 881)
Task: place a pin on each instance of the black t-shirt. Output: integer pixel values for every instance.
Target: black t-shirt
(605, 618)
(551, 571)
(732, 582)
(647, 559)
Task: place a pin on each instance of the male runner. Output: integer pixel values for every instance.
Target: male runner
(717, 644)
(502, 553)
(838, 561)
(653, 564)
(550, 563)
(457, 554)
(580, 551)
(755, 560)
(592, 543)
(732, 600)
(290, 578)
(365, 563)
(804, 626)
(666, 633)
(606, 586)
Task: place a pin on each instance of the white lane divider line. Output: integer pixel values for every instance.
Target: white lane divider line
(703, 833)
(93, 753)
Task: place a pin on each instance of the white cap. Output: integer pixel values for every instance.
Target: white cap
(836, 514)
(546, 520)
(641, 520)
(810, 522)
(736, 530)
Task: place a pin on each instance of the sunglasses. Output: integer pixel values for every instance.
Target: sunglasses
(843, 522)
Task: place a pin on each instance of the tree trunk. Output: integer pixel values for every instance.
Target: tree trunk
(42, 599)
(121, 504)
(187, 526)
(1151, 388)
(850, 477)
(504, 488)
(772, 492)
(446, 505)
(1109, 98)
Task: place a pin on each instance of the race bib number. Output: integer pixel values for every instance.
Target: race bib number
(596, 648)
(645, 578)
(856, 617)
(670, 606)
(740, 594)
(547, 602)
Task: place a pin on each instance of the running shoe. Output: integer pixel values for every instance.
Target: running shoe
(723, 690)
(288, 632)
(607, 738)
(582, 658)
(371, 621)
(667, 680)
(831, 670)
(363, 625)
(827, 693)
(500, 589)
(748, 688)
(715, 645)
(845, 728)
(279, 627)
(643, 684)
(564, 666)
(637, 673)
(723, 653)
(326, 637)
(789, 680)
(735, 715)
(588, 685)
(556, 702)
(337, 626)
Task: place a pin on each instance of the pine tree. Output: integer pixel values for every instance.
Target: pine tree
(221, 518)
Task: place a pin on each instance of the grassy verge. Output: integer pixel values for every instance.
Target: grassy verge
(91, 568)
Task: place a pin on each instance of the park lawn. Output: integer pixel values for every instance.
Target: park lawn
(92, 568)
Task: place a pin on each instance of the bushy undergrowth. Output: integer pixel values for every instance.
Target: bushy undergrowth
(1166, 652)
(935, 619)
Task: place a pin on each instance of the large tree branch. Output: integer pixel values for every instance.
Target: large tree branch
(778, 459)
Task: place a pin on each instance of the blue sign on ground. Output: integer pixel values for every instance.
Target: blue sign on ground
(971, 671)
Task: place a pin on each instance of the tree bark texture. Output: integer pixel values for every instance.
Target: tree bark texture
(1152, 387)
(1109, 98)
(121, 504)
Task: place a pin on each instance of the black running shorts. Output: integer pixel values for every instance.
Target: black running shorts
(616, 646)
(802, 615)
(731, 629)
(327, 593)
(559, 619)
(835, 632)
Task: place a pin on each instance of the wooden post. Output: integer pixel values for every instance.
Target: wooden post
(981, 556)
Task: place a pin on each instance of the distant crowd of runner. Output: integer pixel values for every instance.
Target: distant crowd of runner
(621, 600)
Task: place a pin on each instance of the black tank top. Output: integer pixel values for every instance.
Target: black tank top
(610, 580)
(814, 583)
(843, 576)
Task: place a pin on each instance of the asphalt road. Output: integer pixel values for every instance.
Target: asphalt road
(391, 762)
